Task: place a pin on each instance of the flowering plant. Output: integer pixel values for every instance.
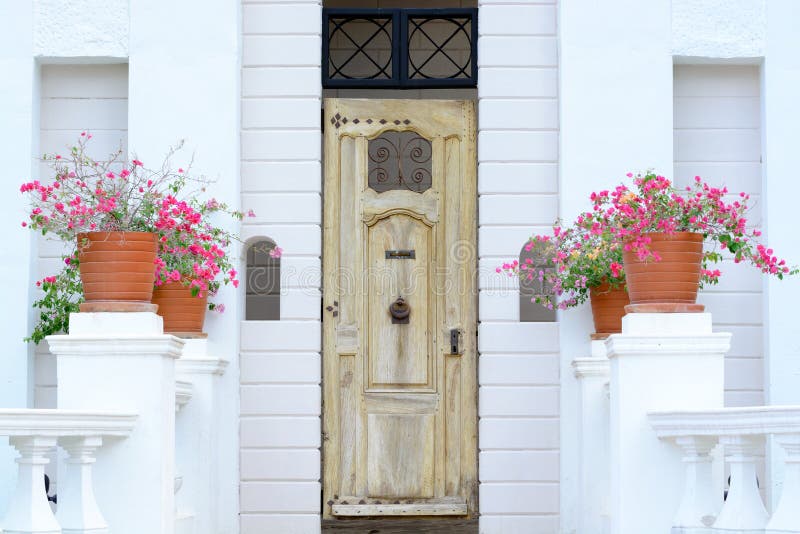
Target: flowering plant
(62, 295)
(579, 258)
(192, 251)
(626, 216)
(90, 195)
(116, 195)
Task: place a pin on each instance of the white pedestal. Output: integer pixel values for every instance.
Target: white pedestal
(593, 438)
(661, 361)
(197, 433)
(123, 361)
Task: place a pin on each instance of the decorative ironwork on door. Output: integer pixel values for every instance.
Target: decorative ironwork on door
(399, 48)
(399, 160)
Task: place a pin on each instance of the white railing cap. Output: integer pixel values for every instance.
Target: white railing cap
(751, 420)
(60, 423)
(713, 344)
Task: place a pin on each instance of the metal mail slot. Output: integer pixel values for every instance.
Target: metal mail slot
(400, 255)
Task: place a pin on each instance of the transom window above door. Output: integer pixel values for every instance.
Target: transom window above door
(399, 48)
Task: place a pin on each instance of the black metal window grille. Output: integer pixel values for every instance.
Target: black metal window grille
(399, 48)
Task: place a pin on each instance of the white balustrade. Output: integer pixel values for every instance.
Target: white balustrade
(786, 517)
(34, 433)
(740, 431)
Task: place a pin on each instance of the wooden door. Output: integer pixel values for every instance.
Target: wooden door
(399, 422)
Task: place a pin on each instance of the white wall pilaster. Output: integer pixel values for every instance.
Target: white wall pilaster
(781, 111)
(615, 82)
(184, 84)
(18, 124)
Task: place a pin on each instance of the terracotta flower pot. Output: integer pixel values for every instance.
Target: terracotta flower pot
(608, 308)
(182, 313)
(669, 285)
(117, 270)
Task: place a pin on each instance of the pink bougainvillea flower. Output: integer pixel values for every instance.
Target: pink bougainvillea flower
(84, 194)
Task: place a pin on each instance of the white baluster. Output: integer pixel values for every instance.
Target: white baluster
(787, 514)
(78, 512)
(699, 504)
(29, 511)
(743, 510)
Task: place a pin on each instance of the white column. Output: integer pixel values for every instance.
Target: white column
(198, 436)
(661, 361)
(698, 507)
(781, 114)
(122, 361)
(29, 512)
(18, 92)
(78, 512)
(743, 511)
(593, 438)
(786, 517)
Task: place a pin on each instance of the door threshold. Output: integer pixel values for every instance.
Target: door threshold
(443, 507)
(403, 525)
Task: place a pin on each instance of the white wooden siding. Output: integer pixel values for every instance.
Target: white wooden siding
(518, 370)
(281, 181)
(518, 161)
(717, 125)
(74, 99)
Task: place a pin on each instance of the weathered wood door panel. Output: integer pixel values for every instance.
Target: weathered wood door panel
(399, 399)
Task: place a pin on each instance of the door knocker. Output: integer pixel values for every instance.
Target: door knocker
(400, 310)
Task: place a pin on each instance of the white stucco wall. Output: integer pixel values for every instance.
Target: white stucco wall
(718, 28)
(80, 28)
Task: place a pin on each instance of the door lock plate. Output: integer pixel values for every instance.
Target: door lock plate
(455, 341)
